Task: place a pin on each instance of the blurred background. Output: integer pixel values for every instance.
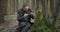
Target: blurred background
(47, 15)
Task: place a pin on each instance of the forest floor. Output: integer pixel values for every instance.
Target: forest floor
(10, 24)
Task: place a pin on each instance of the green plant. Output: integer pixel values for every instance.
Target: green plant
(43, 25)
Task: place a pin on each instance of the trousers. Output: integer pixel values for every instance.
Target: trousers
(23, 27)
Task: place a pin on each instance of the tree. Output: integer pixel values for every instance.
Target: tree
(42, 20)
(3, 4)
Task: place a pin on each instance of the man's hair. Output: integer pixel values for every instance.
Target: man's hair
(25, 5)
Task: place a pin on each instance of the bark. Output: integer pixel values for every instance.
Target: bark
(2, 10)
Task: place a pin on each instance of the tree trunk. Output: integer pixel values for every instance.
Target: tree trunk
(2, 10)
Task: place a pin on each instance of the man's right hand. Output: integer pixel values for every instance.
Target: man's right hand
(25, 15)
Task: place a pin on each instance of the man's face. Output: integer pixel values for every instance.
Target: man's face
(26, 8)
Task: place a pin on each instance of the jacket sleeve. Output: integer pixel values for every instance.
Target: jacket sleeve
(20, 15)
(32, 16)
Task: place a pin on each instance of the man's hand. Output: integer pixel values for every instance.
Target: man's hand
(32, 20)
(25, 15)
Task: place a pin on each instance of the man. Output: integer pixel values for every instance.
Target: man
(24, 17)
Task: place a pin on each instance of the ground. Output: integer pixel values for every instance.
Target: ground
(9, 25)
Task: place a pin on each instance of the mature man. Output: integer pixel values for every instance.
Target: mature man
(24, 17)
